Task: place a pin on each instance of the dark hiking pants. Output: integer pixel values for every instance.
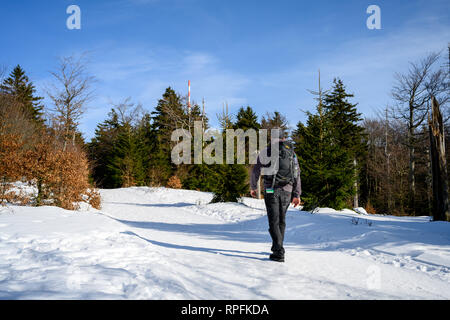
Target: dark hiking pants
(277, 204)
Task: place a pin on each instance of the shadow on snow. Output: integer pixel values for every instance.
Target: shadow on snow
(224, 252)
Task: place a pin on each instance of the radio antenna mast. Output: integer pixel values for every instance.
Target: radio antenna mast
(189, 96)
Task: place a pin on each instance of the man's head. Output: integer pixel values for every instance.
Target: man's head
(282, 134)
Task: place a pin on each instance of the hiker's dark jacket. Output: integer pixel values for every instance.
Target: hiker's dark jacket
(295, 188)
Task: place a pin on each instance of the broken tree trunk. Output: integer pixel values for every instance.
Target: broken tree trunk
(438, 164)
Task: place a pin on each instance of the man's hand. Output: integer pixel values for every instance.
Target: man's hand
(296, 202)
(253, 193)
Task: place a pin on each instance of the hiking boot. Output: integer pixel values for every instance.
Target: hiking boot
(276, 257)
(273, 249)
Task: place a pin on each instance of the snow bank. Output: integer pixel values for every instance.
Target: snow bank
(158, 243)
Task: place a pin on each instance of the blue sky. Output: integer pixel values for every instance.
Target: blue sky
(259, 53)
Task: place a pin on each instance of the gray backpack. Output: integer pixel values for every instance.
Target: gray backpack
(287, 168)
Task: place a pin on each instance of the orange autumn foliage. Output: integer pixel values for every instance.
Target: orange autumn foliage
(174, 182)
(61, 176)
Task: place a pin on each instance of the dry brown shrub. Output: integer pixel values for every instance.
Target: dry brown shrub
(370, 209)
(16, 134)
(13, 197)
(10, 164)
(94, 198)
(174, 183)
(60, 176)
(71, 178)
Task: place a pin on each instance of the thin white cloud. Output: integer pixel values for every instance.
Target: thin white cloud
(366, 64)
(144, 74)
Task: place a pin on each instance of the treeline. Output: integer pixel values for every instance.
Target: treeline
(397, 175)
(133, 148)
(381, 164)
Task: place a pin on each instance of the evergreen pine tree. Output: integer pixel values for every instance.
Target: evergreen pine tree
(145, 137)
(311, 149)
(346, 144)
(118, 152)
(22, 89)
(344, 119)
(126, 165)
(232, 181)
(202, 177)
(246, 119)
(169, 115)
(101, 152)
(327, 147)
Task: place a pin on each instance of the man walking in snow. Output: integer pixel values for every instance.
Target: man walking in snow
(280, 190)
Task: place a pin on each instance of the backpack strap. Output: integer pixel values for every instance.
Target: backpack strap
(274, 175)
(292, 166)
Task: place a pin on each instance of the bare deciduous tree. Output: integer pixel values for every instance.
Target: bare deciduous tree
(386, 166)
(129, 113)
(412, 92)
(70, 91)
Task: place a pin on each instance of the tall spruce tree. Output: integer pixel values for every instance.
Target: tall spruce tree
(311, 142)
(232, 181)
(145, 137)
(202, 177)
(101, 152)
(117, 152)
(327, 148)
(346, 147)
(22, 89)
(247, 119)
(126, 165)
(169, 115)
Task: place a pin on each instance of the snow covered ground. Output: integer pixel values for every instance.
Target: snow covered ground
(157, 243)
